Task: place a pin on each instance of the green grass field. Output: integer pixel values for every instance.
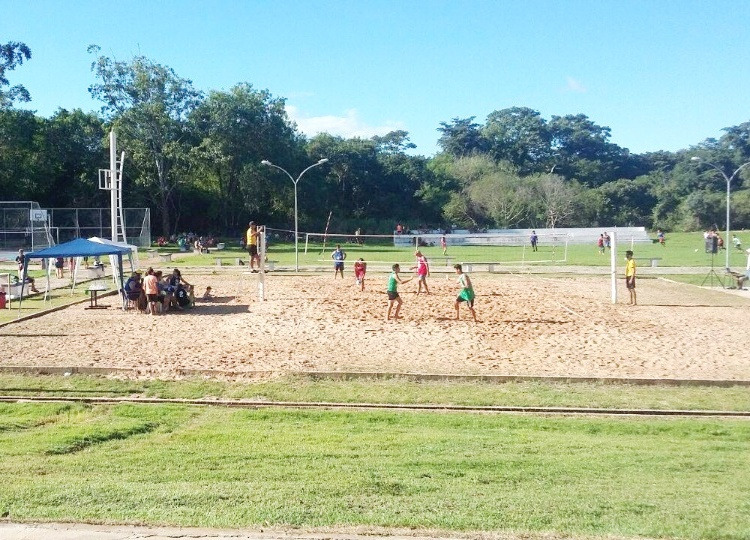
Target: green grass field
(217, 467)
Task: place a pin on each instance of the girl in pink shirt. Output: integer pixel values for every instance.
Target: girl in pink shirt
(423, 270)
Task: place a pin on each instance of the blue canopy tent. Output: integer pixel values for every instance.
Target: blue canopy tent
(80, 247)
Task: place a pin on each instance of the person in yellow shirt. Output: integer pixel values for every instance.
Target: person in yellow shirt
(251, 240)
(630, 275)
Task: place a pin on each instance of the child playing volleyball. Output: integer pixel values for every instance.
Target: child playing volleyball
(393, 298)
(360, 269)
(466, 294)
(423, 270)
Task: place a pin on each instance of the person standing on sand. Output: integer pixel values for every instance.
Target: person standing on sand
(251, 240)
(466, 294)
(338, 256)
(423, 270)
(393, 298)
(151, 288)
(630, 276)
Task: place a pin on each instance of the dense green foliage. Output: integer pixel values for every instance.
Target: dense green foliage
(195, 160)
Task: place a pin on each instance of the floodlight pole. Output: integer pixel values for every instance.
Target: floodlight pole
(296, 224)
(113, 183)
(729, 185)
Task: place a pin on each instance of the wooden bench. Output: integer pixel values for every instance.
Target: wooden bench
(444, 258)
(652, 261)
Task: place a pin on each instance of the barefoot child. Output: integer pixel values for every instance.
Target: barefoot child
(360, 269)
(467, 292)
(630, 276)
(393, 297)
(423, 270)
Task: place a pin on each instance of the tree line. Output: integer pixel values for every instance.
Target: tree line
(195, 159)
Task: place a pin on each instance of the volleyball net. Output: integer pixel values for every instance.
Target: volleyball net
(506, 248)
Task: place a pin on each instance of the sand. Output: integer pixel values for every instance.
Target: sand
(529, 326)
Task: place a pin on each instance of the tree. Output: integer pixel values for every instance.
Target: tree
(520, 136)
(148, 105)
(461, 137)
(557, 199)
(394, 142)
(628, 202)
(491, 194)
(12, 54)
(19, 149)
(71, 153)
(581, 150)
(233, 132)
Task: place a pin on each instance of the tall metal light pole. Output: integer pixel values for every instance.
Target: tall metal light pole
(729, 184)
(296, 225)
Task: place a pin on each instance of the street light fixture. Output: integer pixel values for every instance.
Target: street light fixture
(296, 226)
(728, 179)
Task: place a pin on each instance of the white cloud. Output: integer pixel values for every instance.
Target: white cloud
(349, 125)
(574, 85)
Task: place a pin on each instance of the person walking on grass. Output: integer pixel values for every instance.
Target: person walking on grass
(338, 256)
(630, 276)
(393, 298)
(534, 239)
(423, 270)
(466, 294)
(444, 245)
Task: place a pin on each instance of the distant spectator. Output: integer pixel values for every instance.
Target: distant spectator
(660, 237)
(534, 240)
(59, 265)
(736, 242)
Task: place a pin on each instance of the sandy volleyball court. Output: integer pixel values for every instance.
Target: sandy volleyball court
(530, 325)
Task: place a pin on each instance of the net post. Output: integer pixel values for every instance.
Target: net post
(613, 267)
(262, 270)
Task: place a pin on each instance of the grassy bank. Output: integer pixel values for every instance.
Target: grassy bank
(229, 468)
(393, 390)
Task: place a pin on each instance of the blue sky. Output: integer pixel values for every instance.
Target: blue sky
(662, 74)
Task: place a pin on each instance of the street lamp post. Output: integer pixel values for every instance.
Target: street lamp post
(296, 225)
(729, 185)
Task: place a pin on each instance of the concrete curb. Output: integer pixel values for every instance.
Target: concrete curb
(348, 375)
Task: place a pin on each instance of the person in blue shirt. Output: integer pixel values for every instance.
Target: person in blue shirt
(338, 256)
